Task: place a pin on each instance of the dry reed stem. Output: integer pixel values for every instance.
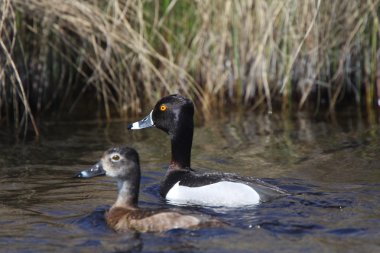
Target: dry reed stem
(6, 10)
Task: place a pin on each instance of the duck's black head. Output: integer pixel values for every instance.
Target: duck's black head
(170, 114)
(173, 113)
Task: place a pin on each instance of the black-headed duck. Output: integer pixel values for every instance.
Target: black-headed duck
(174, 115)
(122, 163)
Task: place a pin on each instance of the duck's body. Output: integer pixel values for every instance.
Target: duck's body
(122, 163)
(123, 219)
(174, 115)
(215, 189)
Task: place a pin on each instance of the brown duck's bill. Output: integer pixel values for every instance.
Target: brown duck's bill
(144, 123)
(95, 170)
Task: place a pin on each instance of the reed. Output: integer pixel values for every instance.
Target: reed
(125, 54)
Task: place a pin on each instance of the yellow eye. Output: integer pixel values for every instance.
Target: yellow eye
(163, 108)
(115, 157)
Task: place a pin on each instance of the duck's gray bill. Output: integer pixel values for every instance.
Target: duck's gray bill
(144, 123)
(96, 170)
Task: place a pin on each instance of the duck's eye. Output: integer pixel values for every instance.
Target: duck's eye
(163, 108)
(115, 157)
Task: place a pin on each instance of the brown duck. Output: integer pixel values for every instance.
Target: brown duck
(122, 163)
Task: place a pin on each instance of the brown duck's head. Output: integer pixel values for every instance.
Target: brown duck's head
(121, 163)
(118, 162)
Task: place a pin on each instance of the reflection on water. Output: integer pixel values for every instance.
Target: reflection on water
(332, 171)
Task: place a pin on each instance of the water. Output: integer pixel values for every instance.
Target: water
(332, 171)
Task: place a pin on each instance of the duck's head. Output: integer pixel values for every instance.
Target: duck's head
(169, 114)
(118, 162)
(121, 163)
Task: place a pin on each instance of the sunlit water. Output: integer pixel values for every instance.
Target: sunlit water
(332, 171)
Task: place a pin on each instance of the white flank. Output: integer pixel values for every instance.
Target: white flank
(223, 193)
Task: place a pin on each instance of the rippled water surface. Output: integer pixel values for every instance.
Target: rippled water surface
(331, 169)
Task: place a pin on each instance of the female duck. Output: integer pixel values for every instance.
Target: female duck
(174, 115)
(122, 163)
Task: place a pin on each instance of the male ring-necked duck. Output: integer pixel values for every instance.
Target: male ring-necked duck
(174, 115)
(122, 163)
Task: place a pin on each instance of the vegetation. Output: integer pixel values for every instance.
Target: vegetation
(262, 53)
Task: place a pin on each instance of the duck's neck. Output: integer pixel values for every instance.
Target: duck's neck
(128, 194)
(181, 147)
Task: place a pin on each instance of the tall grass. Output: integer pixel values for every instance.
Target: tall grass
(126, 54)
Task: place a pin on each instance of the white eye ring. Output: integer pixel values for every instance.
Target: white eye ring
(115, 157)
